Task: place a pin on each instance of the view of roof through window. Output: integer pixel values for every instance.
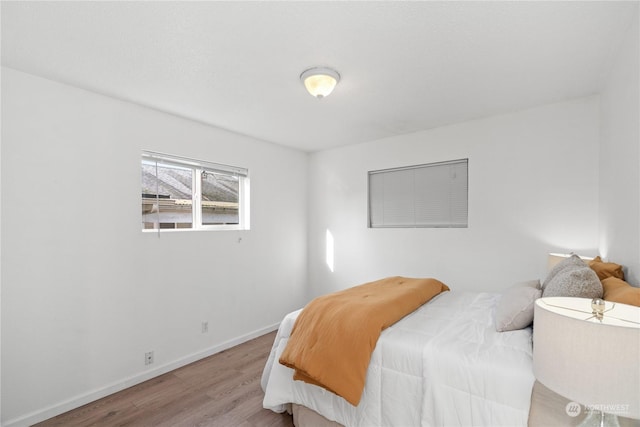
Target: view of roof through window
(169, 193)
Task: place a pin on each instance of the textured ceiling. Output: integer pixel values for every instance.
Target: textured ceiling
(405, 66)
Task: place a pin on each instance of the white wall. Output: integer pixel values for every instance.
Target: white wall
(533, 179)
(85, 293)
(620, 159)
(0, 266)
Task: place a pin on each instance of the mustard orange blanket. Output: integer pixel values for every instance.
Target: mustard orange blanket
(333, 337)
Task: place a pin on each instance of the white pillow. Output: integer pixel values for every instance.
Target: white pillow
(515, 309)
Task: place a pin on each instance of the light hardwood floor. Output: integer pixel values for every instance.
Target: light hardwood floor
(221, 390)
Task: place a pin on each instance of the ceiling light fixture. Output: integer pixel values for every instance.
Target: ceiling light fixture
(320, 81)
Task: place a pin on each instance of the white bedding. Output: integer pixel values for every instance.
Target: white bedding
(442, 365)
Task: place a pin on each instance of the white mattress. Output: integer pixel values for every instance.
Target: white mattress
(442, 365)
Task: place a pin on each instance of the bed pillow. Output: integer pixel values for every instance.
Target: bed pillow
(618, 290)
(529, 283)
(515, 308)
(606, 269)
(574, 281)
(567, 263)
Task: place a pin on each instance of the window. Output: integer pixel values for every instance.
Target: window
(430, 195)
(181, 193)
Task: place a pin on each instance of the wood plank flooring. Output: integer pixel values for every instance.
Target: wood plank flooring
(221, 390)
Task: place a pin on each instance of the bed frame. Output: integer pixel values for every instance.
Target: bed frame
(547, 409)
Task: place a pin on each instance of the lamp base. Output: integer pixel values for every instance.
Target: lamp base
(600, 419)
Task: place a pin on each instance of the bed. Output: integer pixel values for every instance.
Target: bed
(443, 364)
(460, 359)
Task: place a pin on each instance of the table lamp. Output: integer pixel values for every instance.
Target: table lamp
(589, 352)
(555, 258)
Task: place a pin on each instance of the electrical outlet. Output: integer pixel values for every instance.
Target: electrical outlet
(148, 358)
(205, 327)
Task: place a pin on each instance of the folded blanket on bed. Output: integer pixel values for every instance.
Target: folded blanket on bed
(333, 337)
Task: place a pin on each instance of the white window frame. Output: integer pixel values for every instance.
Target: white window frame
(198, 167)
(404, 198)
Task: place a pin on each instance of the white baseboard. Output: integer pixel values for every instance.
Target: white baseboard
(76, 402)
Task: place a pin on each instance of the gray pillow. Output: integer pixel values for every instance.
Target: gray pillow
(515, 309)
(581, 282)
(567, 263)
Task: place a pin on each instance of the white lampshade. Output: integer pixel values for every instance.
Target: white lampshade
(320, 81)
(591, 362)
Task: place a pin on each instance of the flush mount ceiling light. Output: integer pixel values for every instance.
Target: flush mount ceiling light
(320, 81)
